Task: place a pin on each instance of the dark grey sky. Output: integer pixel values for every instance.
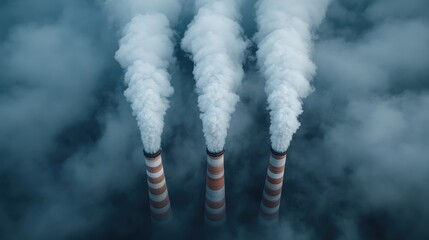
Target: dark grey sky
(71, 157)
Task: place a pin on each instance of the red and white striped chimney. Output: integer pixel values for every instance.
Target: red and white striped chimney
(215, 188)
(270, 204)
(158, 192)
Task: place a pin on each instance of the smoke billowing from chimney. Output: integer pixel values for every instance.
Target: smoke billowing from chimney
(145, 51)
(284, 57)
(214, 39)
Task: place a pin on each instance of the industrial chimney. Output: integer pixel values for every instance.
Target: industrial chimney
(158, 193)
(215, 188)
(271, 195)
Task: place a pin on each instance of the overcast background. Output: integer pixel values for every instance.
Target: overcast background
(71, 162)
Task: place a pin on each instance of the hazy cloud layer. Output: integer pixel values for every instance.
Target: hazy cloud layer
(71, 157)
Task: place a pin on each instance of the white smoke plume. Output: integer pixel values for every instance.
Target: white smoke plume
(214, 39)
(284, 57)
(145, 51)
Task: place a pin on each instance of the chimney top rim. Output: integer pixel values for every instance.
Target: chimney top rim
(279, 154)
(212, 154)
(152, 155)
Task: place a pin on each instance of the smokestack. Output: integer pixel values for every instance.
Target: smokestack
(284, 57)
(158, 193)
(215, 188)
(271, 195)
(214, 40)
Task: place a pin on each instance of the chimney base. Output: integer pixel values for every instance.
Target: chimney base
(271, 195)
(157, 186)
(215, 189)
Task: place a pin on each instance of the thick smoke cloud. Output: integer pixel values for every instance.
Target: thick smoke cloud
(71, 164)
(217, 47)
(146, 50)
(284, 55)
